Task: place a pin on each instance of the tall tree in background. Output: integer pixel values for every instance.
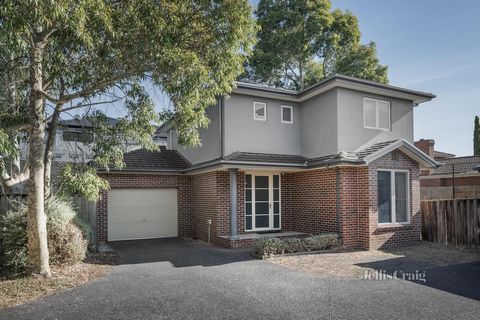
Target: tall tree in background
(304, 41)
(476, 137)
(61, 56)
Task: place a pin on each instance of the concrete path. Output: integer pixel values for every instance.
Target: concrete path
(175, 279)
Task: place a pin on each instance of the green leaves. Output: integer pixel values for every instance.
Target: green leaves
(137, 127)
(193, 50)
(302, 42)
(8, 148)
(361, 61)
(83, 180)
(94, 50)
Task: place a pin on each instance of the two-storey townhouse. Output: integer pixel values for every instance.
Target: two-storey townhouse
(335, 157)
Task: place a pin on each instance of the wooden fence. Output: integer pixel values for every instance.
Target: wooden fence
(443, 193)
(453, 222)
(86, 210)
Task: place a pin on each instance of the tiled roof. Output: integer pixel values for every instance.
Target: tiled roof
(168, 160)
(298, 159)
(461, 165)
(84, 123)
(438, 155)
(265, 157)
(351, 157)
(372, 149)
(162, 160)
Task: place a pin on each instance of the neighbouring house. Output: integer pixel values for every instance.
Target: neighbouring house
(335, 157)
(72, 144)
(456, 177)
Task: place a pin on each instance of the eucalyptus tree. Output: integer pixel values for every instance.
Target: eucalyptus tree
(75, 54)
(304, 41)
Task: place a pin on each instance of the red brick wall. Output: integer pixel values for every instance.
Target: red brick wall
(427, 146)
(384, 237)
(309, 201)
(204, 204)
(354, 206)
(200, 197)
(145, 181)
(211, 200)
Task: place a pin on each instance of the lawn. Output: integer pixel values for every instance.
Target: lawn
(353, 265)
(20, 290)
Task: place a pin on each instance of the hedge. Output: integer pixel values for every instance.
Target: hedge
(269, 246)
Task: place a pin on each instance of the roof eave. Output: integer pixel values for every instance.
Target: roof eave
(335, 81)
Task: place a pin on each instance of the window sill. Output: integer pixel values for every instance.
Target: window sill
(393, 225)
(375, 128)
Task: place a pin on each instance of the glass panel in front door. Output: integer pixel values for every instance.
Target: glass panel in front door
(262, 202)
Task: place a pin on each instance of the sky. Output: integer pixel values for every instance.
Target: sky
(431, 46)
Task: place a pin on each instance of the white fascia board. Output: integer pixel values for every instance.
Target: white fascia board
(407, 148)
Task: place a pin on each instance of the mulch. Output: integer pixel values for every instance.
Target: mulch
(24, 289)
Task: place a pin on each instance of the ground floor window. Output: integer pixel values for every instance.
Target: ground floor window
(262, 202)
(393, 196)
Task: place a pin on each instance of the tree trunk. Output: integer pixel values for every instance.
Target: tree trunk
(38, 256)
(52, 131)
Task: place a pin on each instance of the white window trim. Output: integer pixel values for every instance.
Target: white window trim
(257, 103)
(377, 121)
(291, 114)
(393, 223)
(271, 202)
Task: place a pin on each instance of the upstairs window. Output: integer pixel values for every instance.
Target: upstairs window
(260, 111)
(287, 114)
(376, 114)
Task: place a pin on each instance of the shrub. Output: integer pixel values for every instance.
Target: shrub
(268, 246)
(14, 256)
(67, 239)
(320, 242)
(293, 245)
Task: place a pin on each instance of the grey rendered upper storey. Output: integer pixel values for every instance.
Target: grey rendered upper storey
(328, 118)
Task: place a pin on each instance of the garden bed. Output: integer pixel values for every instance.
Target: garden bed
(269, 247)
(23, 289)
(331, 250)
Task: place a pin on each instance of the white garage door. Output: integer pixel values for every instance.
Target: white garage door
(142, 214)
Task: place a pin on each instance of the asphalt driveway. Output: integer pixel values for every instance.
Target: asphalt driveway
(175, 279)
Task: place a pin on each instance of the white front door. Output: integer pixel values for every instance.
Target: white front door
(262, 202)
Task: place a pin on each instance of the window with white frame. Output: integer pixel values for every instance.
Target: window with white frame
(376, 114)
(393, 196)
(260, 111)
(287, 114)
